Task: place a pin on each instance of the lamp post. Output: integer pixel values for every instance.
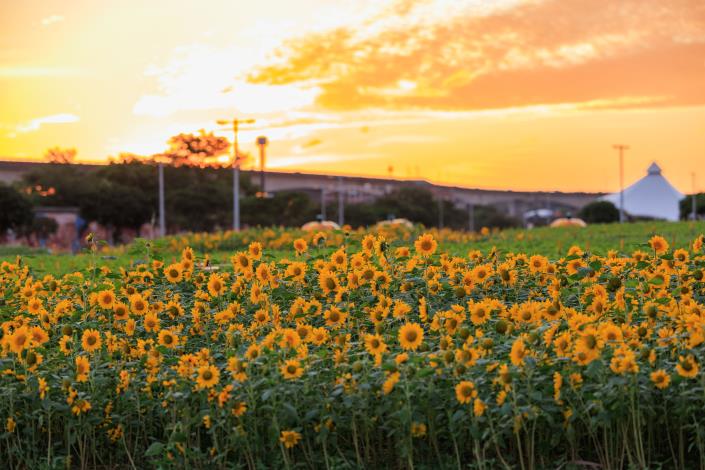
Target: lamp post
(693, 209)
(262, 144)
(162, 214)
(621, 148)
(341, 202)
(236, 168)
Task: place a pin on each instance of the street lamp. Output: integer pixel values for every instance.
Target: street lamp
(621, 148)
(262, 144)
(236, 167)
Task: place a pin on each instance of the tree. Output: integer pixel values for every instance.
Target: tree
(59, 155)
(16, 213)
(194, 149)
(600, 212)
(686, 206)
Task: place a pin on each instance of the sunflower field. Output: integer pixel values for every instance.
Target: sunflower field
(389, 353)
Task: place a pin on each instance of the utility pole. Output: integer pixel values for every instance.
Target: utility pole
(236, 168)
(323, 203)
(341, 202)
(621, 148)
(262, 144)
(693, 210)
(162, 215)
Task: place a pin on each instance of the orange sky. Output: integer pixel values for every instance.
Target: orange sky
(503, 94)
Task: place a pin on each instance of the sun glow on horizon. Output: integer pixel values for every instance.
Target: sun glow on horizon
(460, 92)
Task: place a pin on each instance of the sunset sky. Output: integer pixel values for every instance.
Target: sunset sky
(505, 94)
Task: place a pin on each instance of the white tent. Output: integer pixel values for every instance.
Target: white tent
(651, 196)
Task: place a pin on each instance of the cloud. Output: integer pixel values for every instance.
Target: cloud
(49, 20)
(35, 124)
(200, 77)
(519, 54)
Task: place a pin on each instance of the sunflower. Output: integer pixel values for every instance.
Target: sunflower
(241, 262)
(239, 409)
(187, 254)
(151, 322)
(538, 264)
(174, 272)
(83, 367)
(658, 244)
(291, 369)
(120, 311)
(335, 318)
(426, 245)
(19, 340)
(34, 306)
(300, 246)
(518, 352)
(687, 367)
(253, 352)
(375, 344)
(216, 286)
(255, 250)
(208, 376)
(296, 271)
(168, 339)
(410, 336)
(328, 282)
(339, 260)
(138, 305)
(391, 381)
(289, 438)
(91, 340)
(264, 273)
(465, 391)
(38, 335)
(479, 313)
(660, 378)
(106, 299)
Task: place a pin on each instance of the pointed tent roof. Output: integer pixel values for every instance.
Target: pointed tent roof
(651, 196)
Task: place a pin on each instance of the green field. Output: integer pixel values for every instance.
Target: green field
(551, 242)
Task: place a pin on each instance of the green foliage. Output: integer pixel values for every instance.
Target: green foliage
(686, 206)
(600, 212)
(15, 210)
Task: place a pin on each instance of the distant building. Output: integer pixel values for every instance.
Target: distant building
(652, 196)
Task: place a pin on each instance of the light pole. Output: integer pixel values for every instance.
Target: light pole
(262, 144)
(162, 214)
(323, 203)
(621, 148)
(236, 168)
(341, 202)
(693, 210)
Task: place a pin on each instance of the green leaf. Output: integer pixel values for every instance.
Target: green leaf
(155, 449)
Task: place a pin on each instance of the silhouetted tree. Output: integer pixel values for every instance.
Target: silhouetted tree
(599, 212)
(16, 210)
(686, 206)
(59, 155)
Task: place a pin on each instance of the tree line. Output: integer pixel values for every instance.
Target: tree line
(124, 195)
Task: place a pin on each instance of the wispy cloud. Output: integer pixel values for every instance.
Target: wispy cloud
(49, 20)
(36, 124)
(523, 53)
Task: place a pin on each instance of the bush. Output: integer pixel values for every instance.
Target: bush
(600, 212)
